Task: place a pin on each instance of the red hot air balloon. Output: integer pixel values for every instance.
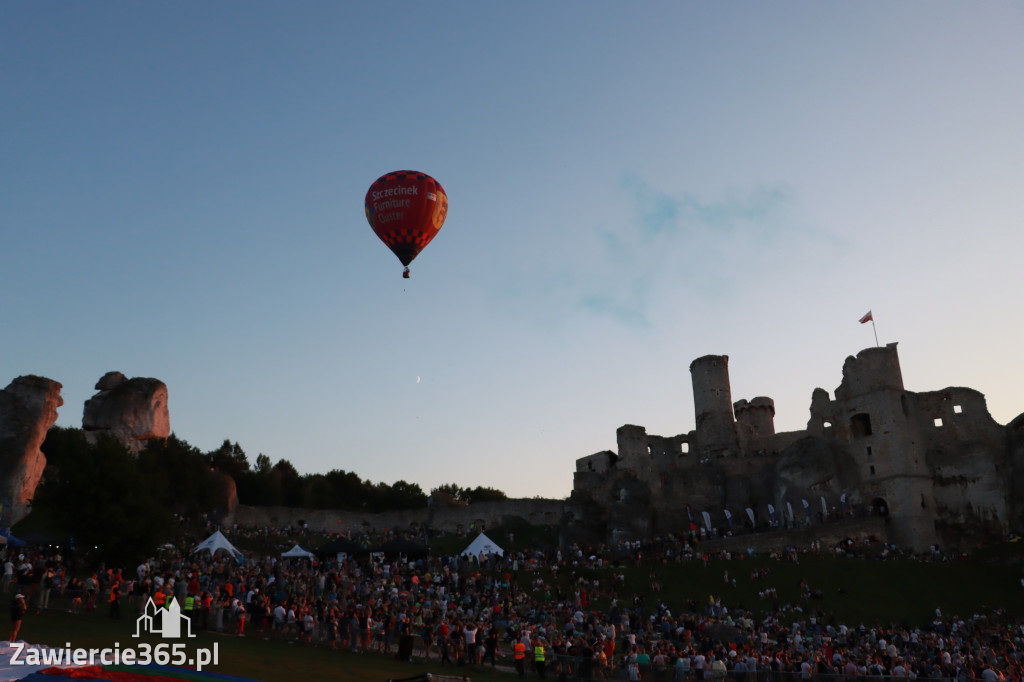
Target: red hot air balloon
(406, 209)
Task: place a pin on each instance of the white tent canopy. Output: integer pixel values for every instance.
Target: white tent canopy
(297, 551)
(484, 544)
(216, 542)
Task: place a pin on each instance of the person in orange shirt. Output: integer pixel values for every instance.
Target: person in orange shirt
(115, 600)
(519, 654)
(159, 598)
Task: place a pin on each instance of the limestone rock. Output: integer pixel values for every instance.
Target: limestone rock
(110, 381)
(230, 494)
(28, 408)
(131, 410)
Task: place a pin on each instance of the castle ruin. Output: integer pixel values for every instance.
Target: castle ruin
(935, 465)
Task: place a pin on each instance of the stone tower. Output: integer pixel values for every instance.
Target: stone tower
(755, 421)
(758, 414)
(712, 402)
(884, 440)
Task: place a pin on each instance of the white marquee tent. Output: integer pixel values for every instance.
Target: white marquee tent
(217, 542)
(484, 544)
(297, 551)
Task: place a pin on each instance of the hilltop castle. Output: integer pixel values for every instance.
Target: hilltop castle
(935, 465)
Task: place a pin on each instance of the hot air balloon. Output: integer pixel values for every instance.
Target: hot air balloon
(406, 209)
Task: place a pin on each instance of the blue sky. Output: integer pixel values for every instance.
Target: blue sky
(631, 186)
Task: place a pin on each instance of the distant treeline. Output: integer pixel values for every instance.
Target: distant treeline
(267, 484)
(104, 495)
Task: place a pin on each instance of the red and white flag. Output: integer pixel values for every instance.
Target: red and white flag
(866, 318)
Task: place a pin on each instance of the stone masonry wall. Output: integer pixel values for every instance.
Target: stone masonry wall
(537, 512)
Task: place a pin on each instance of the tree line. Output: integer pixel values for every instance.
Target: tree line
(103, 494)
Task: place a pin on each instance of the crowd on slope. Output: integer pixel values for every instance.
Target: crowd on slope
(529, 609)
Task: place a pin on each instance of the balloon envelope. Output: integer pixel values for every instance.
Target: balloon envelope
(406, 209)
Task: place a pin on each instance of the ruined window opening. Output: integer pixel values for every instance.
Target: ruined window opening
(826, 425)
(860, 425)
(590, 465)
(872, 469)
(869, 451)
(958, 409)
(923, 505)
(903, 404)
(684, 448)
(649, 450)
(938, 422)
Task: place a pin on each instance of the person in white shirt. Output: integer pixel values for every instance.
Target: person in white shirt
(280, 615)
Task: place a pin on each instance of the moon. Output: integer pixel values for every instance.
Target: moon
(417, 380)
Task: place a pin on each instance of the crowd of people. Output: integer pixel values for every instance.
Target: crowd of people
(534, 612)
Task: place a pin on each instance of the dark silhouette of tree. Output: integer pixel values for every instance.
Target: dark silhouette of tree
(181, 477)
(481, 494)
(102, 498)
(450, 494)
(230, 459)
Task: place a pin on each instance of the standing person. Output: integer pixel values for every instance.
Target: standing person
(491, 646)
(18, 609)
(538, 657)
(25, 575)
(600, 661)
(91, 584)
(240, 616)
(115, 600)
(428, 639)
(206, 603)
(632, 667)
(45, 585)
(519, 654)
(443, 642)
(8, 573)
(469, 632)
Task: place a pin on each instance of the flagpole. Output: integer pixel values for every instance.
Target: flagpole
(875, 331)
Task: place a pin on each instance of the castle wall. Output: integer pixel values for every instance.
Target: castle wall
(599, 462)
(783, 440)
(966, 454)
(645, 456)
(482, 515)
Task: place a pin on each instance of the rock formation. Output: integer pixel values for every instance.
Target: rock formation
(131, 410)
(28, 408)
(230, 495)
